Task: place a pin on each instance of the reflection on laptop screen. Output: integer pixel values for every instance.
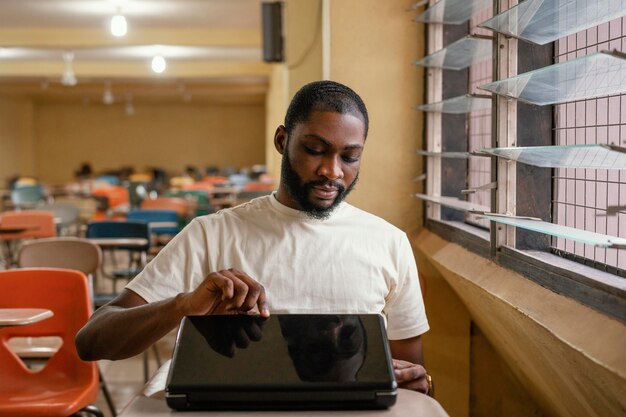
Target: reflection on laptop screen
(312, 361)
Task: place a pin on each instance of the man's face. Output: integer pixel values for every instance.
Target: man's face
(321, 161)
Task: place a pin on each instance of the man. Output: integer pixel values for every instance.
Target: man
(299, 250)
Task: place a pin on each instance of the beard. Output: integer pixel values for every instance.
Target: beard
(300, 190)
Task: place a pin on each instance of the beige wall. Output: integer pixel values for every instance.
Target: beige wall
(276, 105)
(169, 136)
(303, 43)
(372, 47)
(16, 138)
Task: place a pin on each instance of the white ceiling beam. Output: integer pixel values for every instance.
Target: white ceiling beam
(136, 69)
(92, 37)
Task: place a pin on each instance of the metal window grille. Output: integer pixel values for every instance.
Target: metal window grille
(584, 198)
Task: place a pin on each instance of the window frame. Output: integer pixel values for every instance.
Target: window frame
(526, 252)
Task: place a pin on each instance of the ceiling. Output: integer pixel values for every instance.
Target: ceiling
(212, 49)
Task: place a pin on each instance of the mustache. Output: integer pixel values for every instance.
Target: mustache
(329, 183)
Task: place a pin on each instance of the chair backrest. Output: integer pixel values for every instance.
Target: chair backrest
(64, 292)
(61, 252)
(137, 192)
(198, 198)
(178, 204)
(121, 229)
(86, 206)
(108, 179)
(152, 216)
(27, 195)
(67, 215)
(115, 195)
(38, 224)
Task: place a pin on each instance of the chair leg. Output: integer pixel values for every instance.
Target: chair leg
(145, 366)
(156, 355)
(107, 395)
(92, 409)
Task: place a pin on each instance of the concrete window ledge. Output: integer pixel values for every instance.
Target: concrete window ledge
(571, 358)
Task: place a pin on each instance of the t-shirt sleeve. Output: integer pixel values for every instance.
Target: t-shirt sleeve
(179, 267)
(404, 308)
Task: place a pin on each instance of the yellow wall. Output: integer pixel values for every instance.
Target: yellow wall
(169, 136)
(303, 42)
(16, 138)
(276, 106)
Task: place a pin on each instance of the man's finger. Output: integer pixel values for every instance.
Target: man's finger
(240, 290)
(255, 296)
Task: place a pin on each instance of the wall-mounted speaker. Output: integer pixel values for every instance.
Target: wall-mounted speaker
(272, 21)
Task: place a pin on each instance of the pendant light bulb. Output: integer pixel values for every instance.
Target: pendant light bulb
(158, 64)
(68, 78)
(119, 26)
(107, 96)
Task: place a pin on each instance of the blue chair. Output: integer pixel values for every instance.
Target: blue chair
(238, 179)
(110, 233)
(109, 179)
(157, 216)
(27, 196)
(164, 225)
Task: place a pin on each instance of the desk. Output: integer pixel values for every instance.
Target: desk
(151, 402)
(113, 242)
(10, 231)
(23, 316)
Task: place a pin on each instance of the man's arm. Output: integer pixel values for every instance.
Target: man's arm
(128, 325)
(408, 364)
(409, 350)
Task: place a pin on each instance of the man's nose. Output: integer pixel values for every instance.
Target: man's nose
(331, 168)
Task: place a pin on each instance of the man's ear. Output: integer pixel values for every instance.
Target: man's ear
(280, 139)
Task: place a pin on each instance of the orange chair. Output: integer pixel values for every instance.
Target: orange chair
(36, 224)
(66, 385)
(180, 205)
(61, 252)
(116, 197)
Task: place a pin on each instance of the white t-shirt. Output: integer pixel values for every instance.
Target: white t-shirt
(353, 262)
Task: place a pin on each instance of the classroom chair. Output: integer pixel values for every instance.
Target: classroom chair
(66, 384)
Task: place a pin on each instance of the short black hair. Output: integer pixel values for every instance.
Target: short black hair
(324, 96)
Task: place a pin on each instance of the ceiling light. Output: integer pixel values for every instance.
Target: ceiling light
(129, 109)
(68, 77)
(119, 27)
(107, 96)
(158, 64)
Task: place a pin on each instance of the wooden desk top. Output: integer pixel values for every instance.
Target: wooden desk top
(112, 242)
(151, 402)
(15, 229)
(22, 316)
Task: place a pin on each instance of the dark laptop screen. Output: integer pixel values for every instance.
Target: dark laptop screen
(283, 351)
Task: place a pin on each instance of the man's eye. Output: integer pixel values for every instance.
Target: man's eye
(312, 151)
(350, 159)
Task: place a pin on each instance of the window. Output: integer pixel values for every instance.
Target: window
(554, 99)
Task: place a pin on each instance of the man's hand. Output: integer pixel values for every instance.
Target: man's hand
(226, 292)
(410, 376)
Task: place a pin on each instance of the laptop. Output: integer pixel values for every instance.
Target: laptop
(284, 362)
